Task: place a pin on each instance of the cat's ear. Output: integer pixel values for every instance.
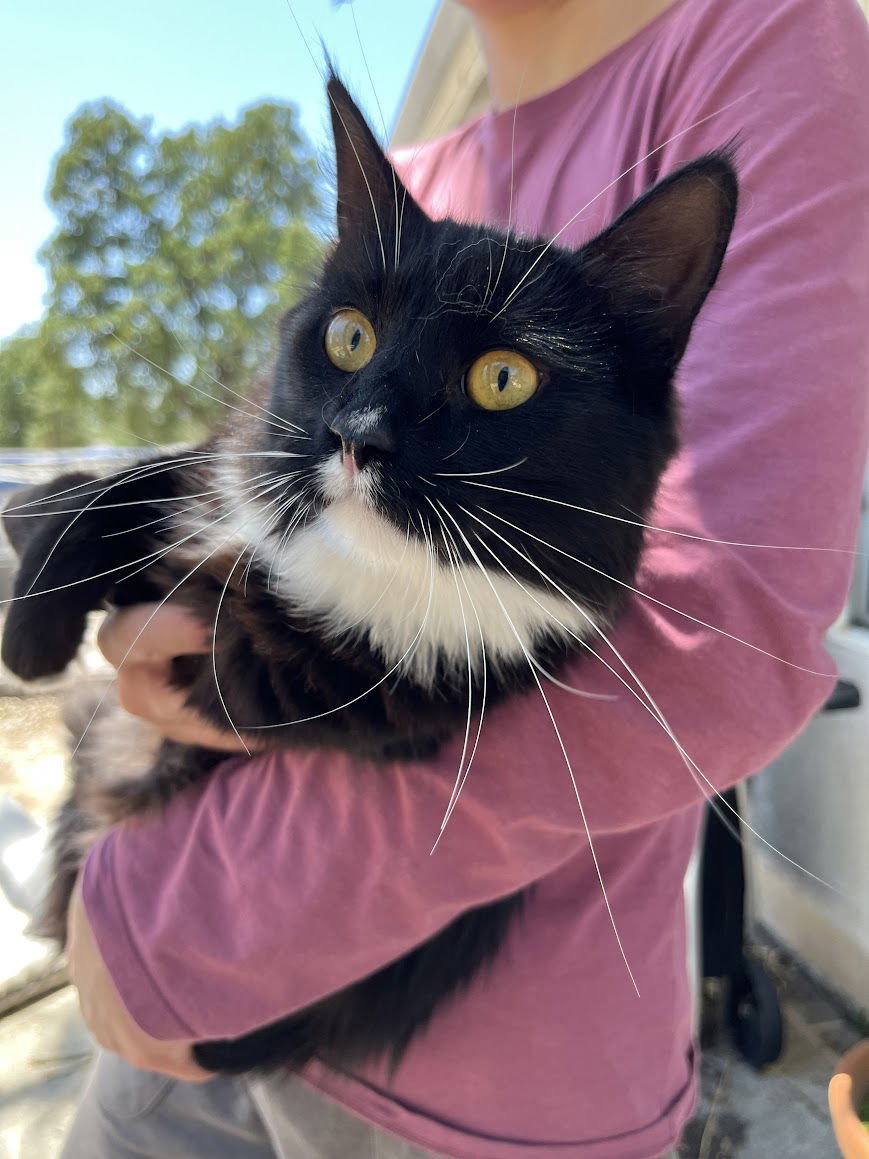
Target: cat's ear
(371, 197)
(658, 261)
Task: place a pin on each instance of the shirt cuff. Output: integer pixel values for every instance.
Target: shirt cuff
(147, 1006)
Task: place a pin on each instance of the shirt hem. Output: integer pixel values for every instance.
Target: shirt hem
(376, 1108)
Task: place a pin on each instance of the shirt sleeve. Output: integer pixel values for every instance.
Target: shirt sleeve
(289, 876)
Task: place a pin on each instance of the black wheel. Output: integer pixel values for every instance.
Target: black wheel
(754, 1015)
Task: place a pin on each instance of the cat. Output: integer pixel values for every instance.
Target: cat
(327, 531)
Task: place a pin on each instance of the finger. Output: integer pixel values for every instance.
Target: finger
(204, 736)
(144, 690)
(193, 730)
(151, 633)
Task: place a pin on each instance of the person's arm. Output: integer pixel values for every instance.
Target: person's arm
(105, 1014)
(306, 872)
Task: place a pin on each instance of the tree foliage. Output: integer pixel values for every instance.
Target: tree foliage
(173, 255)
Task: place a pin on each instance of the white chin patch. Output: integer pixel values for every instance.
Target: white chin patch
(356, 573)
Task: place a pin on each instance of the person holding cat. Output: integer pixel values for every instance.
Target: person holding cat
(289, 876)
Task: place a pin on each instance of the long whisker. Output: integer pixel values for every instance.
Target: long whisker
(347, 704)
(606, 188)
(469, 474)
(175, 517)
(281, 422)
(131, 474)
(223, 703)
(653, 599)
(584, 643)
(490, 295)
(651, 707)
(134, 475)
(139, 634)
(561, 744)
(145, 561)
(668, 530)
(283, 428)
(262, 490)
(458, 781)
(385, 135)
(20, 513)
(88, 484)
(453, 552)
(70, 525)
(298, 516)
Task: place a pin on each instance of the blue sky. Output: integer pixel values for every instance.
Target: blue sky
(176, 62)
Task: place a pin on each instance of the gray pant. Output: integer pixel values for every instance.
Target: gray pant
(132, 1114)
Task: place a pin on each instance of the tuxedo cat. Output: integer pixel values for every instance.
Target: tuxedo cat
(362, 592)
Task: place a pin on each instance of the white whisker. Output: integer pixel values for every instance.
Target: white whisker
(458, 448)
(561, 744)
(139, 634)
(606, 188)
(458, 781)
(471, 474)
(214, 648)
(285, 429)
(654, 599)
(668, 530)
(651, 707)
(490, 296)
(145, 561)
(462, 777)
(347, 704)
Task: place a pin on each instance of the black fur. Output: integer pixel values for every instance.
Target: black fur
(606, 327)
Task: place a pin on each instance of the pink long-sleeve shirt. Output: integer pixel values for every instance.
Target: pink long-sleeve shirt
(289, 876)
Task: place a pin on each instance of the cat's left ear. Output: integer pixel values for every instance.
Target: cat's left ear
(371, 197)
(660, 259)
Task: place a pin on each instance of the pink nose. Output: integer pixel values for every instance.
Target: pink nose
(348, 460)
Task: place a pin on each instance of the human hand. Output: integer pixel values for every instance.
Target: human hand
(141, 642)
(104, 1013)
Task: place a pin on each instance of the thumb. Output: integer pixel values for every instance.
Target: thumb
(151, 634)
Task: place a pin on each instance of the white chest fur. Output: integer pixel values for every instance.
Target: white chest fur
(354, 572)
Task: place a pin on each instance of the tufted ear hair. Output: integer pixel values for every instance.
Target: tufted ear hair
(371, 196)
(658, 261)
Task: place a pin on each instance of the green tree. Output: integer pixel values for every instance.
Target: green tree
(173, 256)
(41, 402)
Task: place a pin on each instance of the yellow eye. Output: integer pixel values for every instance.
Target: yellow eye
(350, 340)
(501, 379)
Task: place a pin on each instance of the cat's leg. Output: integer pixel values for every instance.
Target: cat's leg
(76, 538)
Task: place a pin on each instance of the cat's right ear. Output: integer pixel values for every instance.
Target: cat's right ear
(371, 196)
(660, 259)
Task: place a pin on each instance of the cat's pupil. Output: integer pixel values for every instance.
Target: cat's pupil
(503, 378)
(356, 339)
